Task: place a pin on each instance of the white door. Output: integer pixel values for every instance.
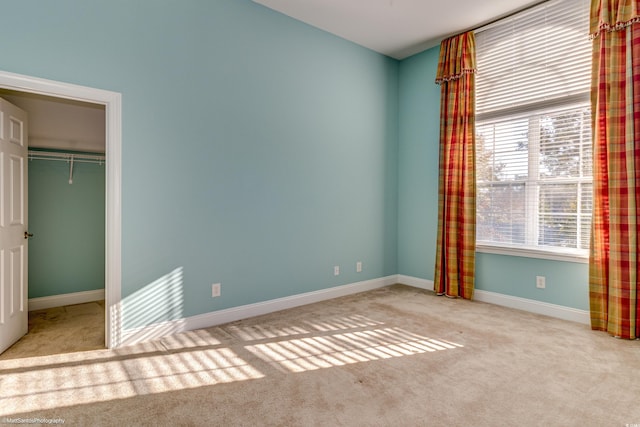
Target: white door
(14, 313)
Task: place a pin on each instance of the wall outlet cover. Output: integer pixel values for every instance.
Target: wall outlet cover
(215, 290)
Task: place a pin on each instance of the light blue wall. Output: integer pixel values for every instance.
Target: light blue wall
(66, 253)
(258, 152)
(566, 282)
(418, 165)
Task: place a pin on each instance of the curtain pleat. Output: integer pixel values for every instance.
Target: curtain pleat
(615, 102)
(455, 251)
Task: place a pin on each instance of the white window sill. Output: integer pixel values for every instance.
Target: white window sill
(567, 256)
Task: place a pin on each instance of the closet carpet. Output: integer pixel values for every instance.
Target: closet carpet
(57, 330)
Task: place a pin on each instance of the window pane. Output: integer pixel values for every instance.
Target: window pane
(558, 231)
(558, 213)
(502, 150)
(563, 142)
(587, 153)
(585, 231)
(501, 213)
(558, 199)
(586, 198)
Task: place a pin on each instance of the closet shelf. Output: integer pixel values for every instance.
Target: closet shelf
(66, 157)
(71, 158)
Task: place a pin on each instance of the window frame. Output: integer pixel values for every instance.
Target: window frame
(528, 250)
(532, 185)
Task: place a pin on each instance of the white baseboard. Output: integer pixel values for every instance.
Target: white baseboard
(532, 306)
(206, 320)
(415, 282)
(65, 299)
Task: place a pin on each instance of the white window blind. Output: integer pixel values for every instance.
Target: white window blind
(533, 129)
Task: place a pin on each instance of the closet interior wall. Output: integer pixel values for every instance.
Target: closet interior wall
(67, 220)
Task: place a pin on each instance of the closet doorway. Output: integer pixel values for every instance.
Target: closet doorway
(66, 221)
(53, 136)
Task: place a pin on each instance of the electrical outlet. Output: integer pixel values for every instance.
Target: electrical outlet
(215, 290)
(359, 267)
(336, 270)
(540, 282)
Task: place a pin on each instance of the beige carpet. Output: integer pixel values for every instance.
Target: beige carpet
(56, 330)
(396, 356)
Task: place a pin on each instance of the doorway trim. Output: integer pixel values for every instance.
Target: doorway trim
(113, 153)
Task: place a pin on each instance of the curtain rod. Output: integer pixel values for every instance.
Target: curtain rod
(495, 21)
(50, 155)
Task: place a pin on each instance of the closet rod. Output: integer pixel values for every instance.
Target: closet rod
(66, 157)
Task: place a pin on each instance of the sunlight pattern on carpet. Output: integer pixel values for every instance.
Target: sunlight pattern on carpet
(316, 352)
(98, 376)
(201, 358)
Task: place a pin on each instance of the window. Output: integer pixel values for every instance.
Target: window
(533, 132)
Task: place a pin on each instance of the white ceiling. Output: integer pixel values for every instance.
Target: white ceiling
(396, 28)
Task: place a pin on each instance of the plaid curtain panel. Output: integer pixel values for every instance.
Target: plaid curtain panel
(455, 252)
(615, 103)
